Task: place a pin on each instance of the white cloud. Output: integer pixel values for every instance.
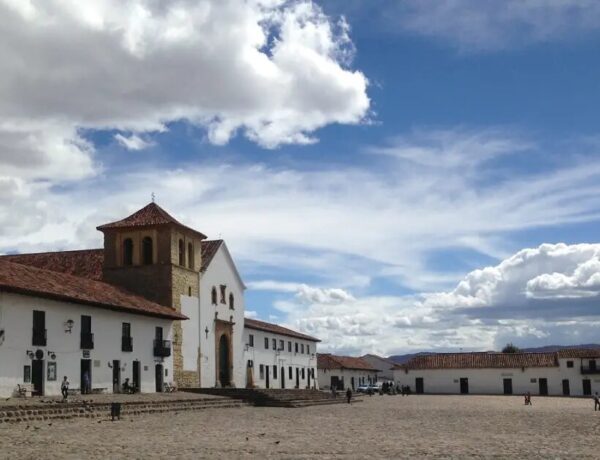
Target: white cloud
(483, 25)
(132, 142)
(273, 70)
(304, 292)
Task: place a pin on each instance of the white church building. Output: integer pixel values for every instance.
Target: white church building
(159, 303)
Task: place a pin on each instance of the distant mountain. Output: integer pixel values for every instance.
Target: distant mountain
(401, 359)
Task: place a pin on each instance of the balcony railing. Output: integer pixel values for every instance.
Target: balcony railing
(87, 341)
(162, 348)
(126, 343)
(590, 370)
(38, 337)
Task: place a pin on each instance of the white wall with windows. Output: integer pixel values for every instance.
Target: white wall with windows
(346, 378)
(566, 379)
(279, 361)
(228, 305)
(62, 355)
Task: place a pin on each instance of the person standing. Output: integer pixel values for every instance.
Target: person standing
(64, 388)
(596, 402)
(349, 395)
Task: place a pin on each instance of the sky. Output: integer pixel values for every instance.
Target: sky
(389, 176)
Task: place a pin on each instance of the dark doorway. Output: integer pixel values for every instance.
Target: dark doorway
(282, 377)
(116, 376)
(136, 376)
(352, 383)
(37, 376)
(308, 377)
(86, 366)
(268, 384)
(543, 383)
(508, 386)
(158, 375)
(566, 388)
(419, 385)
(224, 377)
(587, 387)
(297, 378)
(335, 382)
(464, 386)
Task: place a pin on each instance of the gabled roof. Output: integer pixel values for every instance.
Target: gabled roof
(579, 353)
(481, 360)
(84, 263)
(28, 280)
(151, 214)
(209, 249)
(276, 329)
(328, 361)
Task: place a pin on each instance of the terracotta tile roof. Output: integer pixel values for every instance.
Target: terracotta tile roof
(579, 353)
(151, 214)
(481, 360)
(209, 249)
(328, 361)
(276, 329)
(84, 263)
(28, 280)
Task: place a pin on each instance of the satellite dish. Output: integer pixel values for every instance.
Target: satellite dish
(39, 354)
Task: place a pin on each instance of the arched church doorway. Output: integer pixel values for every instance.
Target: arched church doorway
(224, 365)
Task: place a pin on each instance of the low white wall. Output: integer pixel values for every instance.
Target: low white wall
(16, 318)
(280, 358)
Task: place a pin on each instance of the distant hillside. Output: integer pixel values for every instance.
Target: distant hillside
(401, 359)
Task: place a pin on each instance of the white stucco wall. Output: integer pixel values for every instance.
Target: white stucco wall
(360, 377)
(280, 358)
(220, 271)
(16, 317)
(490, 381)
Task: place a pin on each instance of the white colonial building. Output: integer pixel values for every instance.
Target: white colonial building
(278, 357)
(344, 372)
(54, 325)
(568, 372)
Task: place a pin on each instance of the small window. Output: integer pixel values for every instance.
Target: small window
(274, 371)
(290, 373)
(126, 329)
(190, 256)
(128, 251)
(307, 349)
(302, 348)
(181, 253)
(569, 363)
(262, 371)
(213, 295)
(190, 291)
(281, 347)
(231, 301)
(274, 342)
(266, 343)
(223, 289)
(290, 347)
(147, 251)
(251, 340)
(296, 347)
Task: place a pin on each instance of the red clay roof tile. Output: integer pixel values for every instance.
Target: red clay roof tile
(83, 263)
(328, 361)
(28, 280)
(481, 360)
(209, 249)
(276, 329)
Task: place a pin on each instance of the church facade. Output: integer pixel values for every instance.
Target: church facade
(157, 281)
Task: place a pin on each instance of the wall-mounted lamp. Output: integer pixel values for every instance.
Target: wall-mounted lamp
(29, 354)
(69, 325)
(206, 331)
(52, 355)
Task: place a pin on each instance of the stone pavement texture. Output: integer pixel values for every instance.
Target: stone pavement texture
(380, 427)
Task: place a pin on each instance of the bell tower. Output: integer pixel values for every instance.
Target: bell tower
(153, 255)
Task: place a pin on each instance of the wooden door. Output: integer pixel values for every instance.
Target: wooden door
(116, 376)
(267, 374)
(543, 384)
(587, 387)
(419, 385)
(136, 376)
(566, 387)
(508, 390)
(37, 376)
(464, 386)
(158, 377)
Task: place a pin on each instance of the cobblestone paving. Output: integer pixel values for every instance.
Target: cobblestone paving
(380, 427)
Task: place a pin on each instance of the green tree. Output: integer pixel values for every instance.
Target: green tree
(511, 348)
